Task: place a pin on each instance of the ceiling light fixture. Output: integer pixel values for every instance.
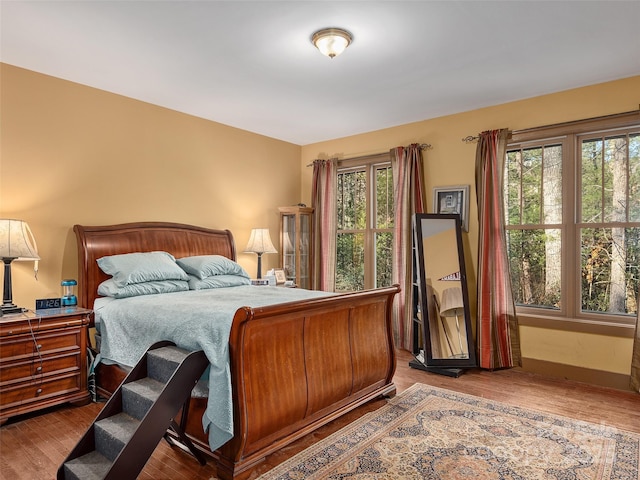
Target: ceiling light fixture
(331, 41)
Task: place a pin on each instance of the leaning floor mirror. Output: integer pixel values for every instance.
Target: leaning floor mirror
(442, 336)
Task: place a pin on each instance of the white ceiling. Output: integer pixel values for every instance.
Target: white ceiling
(250, 64)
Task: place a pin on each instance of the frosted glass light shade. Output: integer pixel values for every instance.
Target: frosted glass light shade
(331, 41)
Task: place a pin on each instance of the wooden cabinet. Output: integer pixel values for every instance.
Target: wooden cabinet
(296, 244)
(43, 360)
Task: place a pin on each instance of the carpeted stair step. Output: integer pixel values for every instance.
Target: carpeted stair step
(112, 433)
(91, 466)
(138, 396)
(163, 362)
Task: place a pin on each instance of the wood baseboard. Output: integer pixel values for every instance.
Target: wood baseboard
(578, 374)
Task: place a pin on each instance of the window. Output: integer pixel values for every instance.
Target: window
(572, 214)
(364, 225)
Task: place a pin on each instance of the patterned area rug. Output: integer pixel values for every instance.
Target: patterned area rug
(431, 433)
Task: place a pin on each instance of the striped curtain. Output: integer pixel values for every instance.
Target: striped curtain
(498, 339)
(635, 359)
(409, 199)
(323, 201)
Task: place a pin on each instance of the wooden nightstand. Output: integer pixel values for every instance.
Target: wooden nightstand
(43, 360)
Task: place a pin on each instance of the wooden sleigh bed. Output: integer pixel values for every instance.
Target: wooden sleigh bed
(294, 366)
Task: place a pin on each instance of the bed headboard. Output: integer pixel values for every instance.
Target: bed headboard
(177, 239)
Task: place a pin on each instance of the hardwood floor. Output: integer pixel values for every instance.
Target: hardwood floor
(32, 447)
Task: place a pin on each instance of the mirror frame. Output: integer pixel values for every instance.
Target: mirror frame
(447, 366)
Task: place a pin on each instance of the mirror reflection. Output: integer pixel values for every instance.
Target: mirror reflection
(443, 321)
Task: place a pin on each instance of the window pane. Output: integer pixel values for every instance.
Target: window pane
(610, 259)
(384, 243)
(350, 262)
(634, 178)
(384, 198)
(611, 179)
(351, 200)
(615, 179)
(531, 185)
(552, 185)
(535, 262)
(512, 180)
(592, 181)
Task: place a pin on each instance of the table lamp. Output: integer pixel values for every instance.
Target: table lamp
(16, 243)
(259, 243)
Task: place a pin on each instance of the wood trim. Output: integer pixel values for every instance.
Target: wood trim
(354, 162)
(578, 374)
(621, 120)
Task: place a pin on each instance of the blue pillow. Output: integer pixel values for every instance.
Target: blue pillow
(109, 288)
(131, 268)
(204, 266)
(217, 281)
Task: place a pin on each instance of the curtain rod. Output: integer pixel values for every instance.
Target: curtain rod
(423, 146)
(472, 138)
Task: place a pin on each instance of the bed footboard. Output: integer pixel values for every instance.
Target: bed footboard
(297, 366)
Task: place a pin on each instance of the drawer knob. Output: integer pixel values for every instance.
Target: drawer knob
(38, 369)
(38, 391)
(38, 346)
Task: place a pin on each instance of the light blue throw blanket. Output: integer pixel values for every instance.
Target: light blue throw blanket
(193, 320)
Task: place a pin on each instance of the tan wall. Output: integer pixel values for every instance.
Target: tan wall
(73, 154)
(450, 161)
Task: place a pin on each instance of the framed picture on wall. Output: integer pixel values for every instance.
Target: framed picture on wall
(454, 199)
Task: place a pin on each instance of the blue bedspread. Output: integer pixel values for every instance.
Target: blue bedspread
(193, 320)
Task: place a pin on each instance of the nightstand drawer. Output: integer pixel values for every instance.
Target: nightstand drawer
(21, 326)
(27, 370)
(37, 391)
(25, 346)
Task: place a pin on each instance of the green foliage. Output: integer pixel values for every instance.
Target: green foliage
(384, 245)
(351, 200)
(598, 252)
(384, 198)
(527, 264)
(350, 262)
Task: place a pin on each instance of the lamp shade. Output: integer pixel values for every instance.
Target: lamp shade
(331, 41)
(260, 242)
(17, 241)
(451, 302)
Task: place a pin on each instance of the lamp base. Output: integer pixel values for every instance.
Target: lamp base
(11, 309)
